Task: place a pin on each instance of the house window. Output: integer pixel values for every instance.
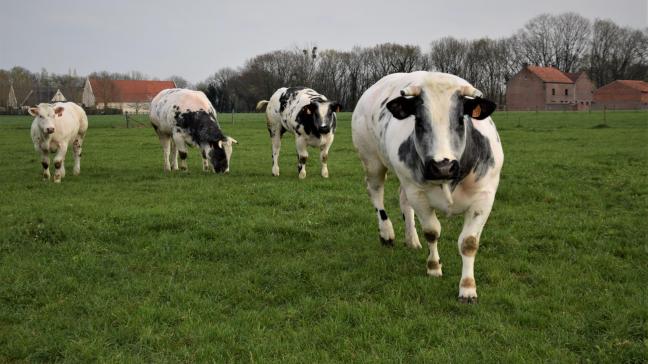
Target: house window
(566, 92)
(553, 92)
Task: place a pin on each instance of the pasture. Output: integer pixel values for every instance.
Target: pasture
(126, 263)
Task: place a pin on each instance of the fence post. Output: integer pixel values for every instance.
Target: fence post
(604, 114)
(127, 121)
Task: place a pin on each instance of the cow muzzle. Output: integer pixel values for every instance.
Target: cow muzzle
(324, 129)
(49, 130)
(443, 170)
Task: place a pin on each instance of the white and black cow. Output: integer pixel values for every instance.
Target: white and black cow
(55, 126)
(306, 113)
(181, 117)
(434, 132)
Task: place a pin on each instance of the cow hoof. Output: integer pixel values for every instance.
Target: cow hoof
(325, 174)
(57, 180)
(302, 175)
(413, 243)
(468, 300)
(275, 174)
(76, 173)
(434, 269)
(386, 242)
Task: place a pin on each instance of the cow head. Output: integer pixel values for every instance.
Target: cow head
(220, 153)
(442, 107)
(44, 117)
(321, 115)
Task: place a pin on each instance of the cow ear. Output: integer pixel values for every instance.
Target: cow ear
(59, 111)
(336, 107)
(232, 140)
(479, 108)
(402, 107)
(33, 111)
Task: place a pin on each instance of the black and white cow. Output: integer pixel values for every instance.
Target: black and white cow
(55, 126)
(434, 132)
(306, 113)
(181, 117)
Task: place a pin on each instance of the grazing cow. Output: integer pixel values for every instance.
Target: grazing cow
(180, 117)
(55, 126)
(306, 113)
(434, 132)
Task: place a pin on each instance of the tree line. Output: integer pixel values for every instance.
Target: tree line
(568, 41)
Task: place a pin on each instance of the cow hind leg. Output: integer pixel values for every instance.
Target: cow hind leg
(182, 150)
(165, 141)
(173, 156)
(276, 148)
(431, 228)
(375, 179)
(77, 149)
(468, 244)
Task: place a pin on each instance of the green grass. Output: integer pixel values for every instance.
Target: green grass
(128, 264)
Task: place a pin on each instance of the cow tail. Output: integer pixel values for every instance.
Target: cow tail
(261, 105)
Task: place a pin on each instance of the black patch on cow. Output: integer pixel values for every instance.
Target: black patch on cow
(203, 130)
(57, 164)
(282, 131)
(290, 93)
(45, 165)
(477, 156)
(386, 242)
(154, 127)
(409, 156)
(218, 158)
(383, 215)
(382, 104)
(183, 155)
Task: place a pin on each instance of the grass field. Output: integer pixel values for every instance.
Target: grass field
(128, 264)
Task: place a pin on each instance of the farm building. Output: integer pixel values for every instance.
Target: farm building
(58, 96)
(132, 96)
(548, 88)
(622, 94)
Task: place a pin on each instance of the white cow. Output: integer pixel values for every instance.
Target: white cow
(181, 117)
(434, 132)
(55, 126)
(307, 114)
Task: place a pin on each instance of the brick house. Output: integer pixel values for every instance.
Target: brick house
(133, 96)
(622, 94)
(548, 88)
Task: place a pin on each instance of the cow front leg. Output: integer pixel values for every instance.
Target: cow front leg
(59, 163)
(375, 179)
(276, 148)
(324, 150)
(182, 150)
(468, 244)
(411, 237)
(302, 155)
(77, 147)
(205, 161)
(45, 160)
(431, 228)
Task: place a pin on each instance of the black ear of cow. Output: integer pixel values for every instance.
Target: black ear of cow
(479, 108)
(335, 106)
(402, 107)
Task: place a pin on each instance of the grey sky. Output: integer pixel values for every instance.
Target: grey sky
(194, 39)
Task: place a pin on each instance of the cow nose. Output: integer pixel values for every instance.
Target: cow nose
(325, 129)
(445, 169)
(50, 130)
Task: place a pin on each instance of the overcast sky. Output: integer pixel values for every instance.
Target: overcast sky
(194, 39)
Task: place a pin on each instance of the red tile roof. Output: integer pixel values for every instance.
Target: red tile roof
(127, 90)
(573, 75)
(635, 84)
(550, 74)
